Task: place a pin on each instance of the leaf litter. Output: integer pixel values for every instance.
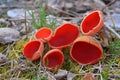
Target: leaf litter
(8, 35)
(3, 58)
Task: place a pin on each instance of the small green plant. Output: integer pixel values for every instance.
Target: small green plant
(2, 25)
(52, 24)
(42, 17)
(105, 74)
(1, 14)
(42, 21)
(113, 50)
(114, 47)
(43, 78)
(33, 76)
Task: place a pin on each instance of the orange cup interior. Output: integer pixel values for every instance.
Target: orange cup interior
(33, 50)
(53, 58)
(86, 51)
(92, 23)
(64, 36)
(44, 34)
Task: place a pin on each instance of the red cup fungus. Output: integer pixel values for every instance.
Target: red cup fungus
(33, 50)
(92, 23)
(64, 36)
(53, 58)
(86, 50)
(44, 34)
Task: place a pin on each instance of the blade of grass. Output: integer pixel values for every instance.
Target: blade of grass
(105, 74)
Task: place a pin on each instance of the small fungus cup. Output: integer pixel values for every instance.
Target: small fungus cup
(86, 50)
(44, 34)
(53, 59)
(92, 23)
(33, 50)
(64, 35)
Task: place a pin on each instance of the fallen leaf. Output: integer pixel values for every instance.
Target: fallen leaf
(116, 20)
(4, 22)
(57, 20)
(8, 35)
(82, 5)
(53, 3)
(87, 5)
(19, 13)
(105, 35)
(26, 29)
(63, 73)
(115, 7)
(60, 74)
(98, 4)
(70, 76)
(88, 76)
(3, 58)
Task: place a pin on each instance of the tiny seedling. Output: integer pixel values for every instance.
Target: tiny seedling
(114, 47)
(42, 21)
(43, 78)
(105, 74)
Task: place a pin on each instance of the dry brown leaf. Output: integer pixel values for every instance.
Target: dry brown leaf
(105, 35)
(70, 76)
(60, 74)
(88, 76)
(8, 35)
(3, 58)
(19, 13)
(63, 73)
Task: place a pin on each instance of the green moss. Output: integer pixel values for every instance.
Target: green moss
(78, 77)
(43, 78)
(17, 49)
(69, 64)
(2, 48)
(4, 69)
(114, 47)
(118, 62)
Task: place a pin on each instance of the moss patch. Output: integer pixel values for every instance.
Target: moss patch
(17, 49)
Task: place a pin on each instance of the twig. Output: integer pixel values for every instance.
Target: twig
(52, 77)
(26, 27)
(81, 68)
(63, 11)
(113, 31)
(11, 70)
(113, 1)
(19, 68)
(18, 74)
(108, 13)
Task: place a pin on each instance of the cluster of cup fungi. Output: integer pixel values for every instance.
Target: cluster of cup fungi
(84, 49)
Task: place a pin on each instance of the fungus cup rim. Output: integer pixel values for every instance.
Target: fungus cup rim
(96, 44)
(97, 27)
(63, 46)
(44, 40)
(37, 53)
(50, 52)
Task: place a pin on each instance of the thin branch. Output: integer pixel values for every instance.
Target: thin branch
(112, 2)
(113, 31)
